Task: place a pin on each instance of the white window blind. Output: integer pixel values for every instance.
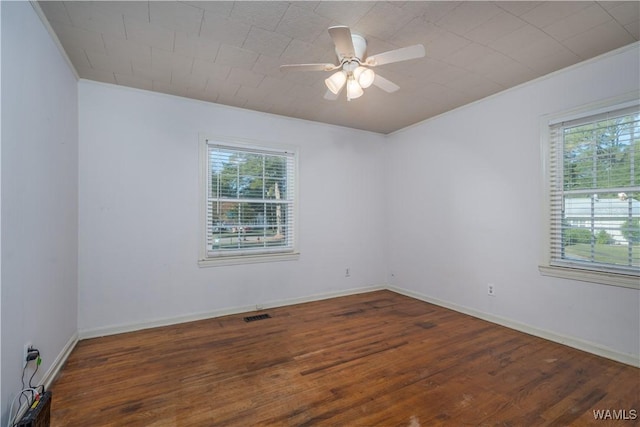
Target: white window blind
(594, 175)
(249, 201)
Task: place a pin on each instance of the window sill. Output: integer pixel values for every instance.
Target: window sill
(247, 259)
(603, 278)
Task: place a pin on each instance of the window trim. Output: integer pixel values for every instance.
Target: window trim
(204, 260)
(567, 270)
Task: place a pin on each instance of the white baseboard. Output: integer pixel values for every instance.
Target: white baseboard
(119, 329)
(156, 323)
(57, 364)
(589, 347)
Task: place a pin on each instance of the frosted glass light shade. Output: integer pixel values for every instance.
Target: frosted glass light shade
(364, 76)
(336, 81)
(354, 90)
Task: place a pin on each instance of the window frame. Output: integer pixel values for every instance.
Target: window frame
(568, 270)
(205, 259)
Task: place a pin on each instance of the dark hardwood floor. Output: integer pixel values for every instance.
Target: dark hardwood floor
(375, 359)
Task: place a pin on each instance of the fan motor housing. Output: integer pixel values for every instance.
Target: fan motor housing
(359, 47)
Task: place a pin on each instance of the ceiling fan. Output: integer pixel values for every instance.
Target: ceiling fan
(354, 67)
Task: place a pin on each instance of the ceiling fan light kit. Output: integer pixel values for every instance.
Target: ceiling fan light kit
(354, 90)
(365, 76)
(336, 82)
(355, 77)
(354, 65)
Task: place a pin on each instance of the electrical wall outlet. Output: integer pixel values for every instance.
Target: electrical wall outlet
(27, 346)
(347, 272)
(259, 307)
(491, 289)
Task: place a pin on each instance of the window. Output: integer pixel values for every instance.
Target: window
(249, 203)
(594, 197)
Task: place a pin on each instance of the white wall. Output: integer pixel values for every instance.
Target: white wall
(469, 186)
(139, 210)
(39, 197)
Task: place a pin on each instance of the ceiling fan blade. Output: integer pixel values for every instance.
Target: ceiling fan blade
(342, 39)
(308, 67)
(330, 96)
(384, 84)
(396, 55)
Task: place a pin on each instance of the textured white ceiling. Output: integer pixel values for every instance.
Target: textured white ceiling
(230, 52)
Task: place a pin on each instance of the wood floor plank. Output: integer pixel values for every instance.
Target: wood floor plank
(373, 359)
